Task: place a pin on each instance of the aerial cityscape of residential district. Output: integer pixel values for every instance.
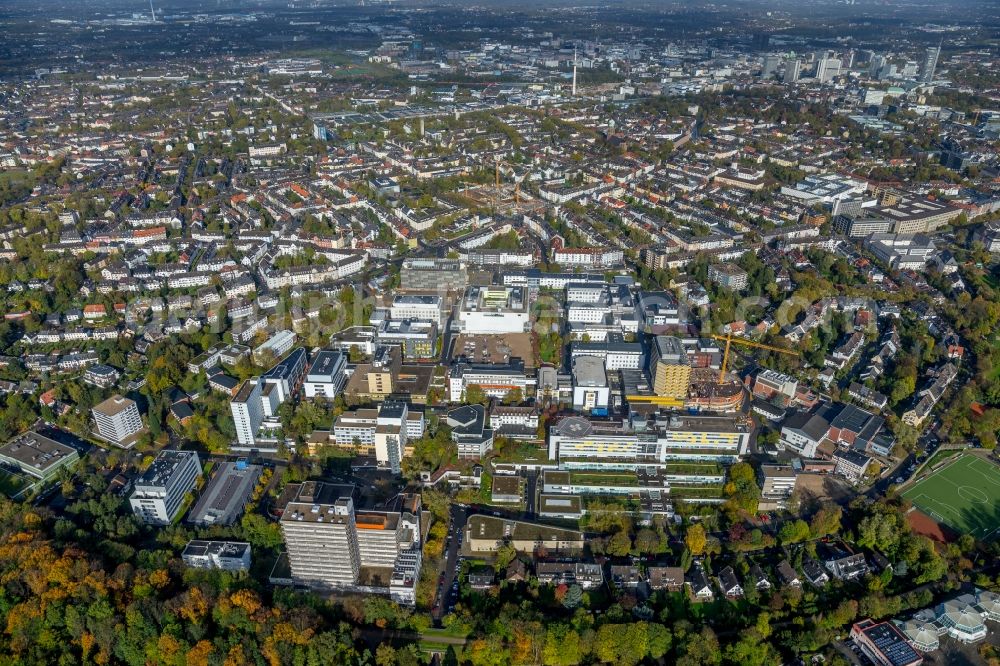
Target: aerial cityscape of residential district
(406, 332)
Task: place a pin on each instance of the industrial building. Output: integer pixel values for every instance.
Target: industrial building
(226, 495)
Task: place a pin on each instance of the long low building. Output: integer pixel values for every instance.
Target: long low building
(226, 555)
(495, 380)
(31, 460)
(640, 444)
(484, 534)
(669, 453)
(226, 495)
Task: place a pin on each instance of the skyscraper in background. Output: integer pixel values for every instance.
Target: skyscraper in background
(771, 62)
(793, 68)
(876, 64)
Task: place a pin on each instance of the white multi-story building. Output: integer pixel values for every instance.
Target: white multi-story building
(329, 540)
(777, 482)
(589, 257)
(325, 377)
(159, 492)
(419, 308)
(248, 411)
(117, 420)
(385, 431)
(225, 555)
(276, 346)
(616, 355)
(577, 441)
(496, 381)
(609, 306)
(494, 311)
(591, 393)
(769, 383)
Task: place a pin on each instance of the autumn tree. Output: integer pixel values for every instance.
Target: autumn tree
(696, 539)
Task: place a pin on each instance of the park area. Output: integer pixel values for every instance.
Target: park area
(963, 494)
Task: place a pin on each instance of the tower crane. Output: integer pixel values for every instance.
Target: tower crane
(729, 339)
(517, 182)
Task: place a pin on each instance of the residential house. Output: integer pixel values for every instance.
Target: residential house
(729, 584)
(698, 584)
(670, 579)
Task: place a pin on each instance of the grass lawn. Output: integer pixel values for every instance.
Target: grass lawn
(696, 492)
(603, 479)
(964, 495)
(12, 484)
(428, 647)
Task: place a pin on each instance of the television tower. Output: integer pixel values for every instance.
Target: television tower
(152, 11)
(574, 69)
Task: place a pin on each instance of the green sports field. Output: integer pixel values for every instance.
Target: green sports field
(964, 495)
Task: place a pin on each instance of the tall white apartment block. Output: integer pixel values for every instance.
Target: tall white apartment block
(322, 541)
(248, 412)
(117, 419)
(329, 541)
(160, 491)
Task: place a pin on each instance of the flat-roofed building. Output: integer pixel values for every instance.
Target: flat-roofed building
(768, 384)
(287, 374)
(487, 533)
(912, 215)
(384, 433)
(884, 644)
(325, 377)
(417, 307)
(514, 422)
(37, 455)
(777, 482)
(159, 493)
(495, 380)
(330, 542)
(225, 555)
(670, 367)
(432, 275)
(663, 442)
(416, 338)
(728, 275)
(226, 495)
(248, 411)
(275, 347)
(861, 224)
(616, 353)
(852, 465)
(494, 310)
(118, 421)
(100, 375)
(591, 393)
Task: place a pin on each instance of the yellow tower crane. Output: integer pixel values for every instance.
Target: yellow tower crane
(729, 339)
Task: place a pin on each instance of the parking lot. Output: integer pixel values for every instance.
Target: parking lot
(446, 595)
(494, 348)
